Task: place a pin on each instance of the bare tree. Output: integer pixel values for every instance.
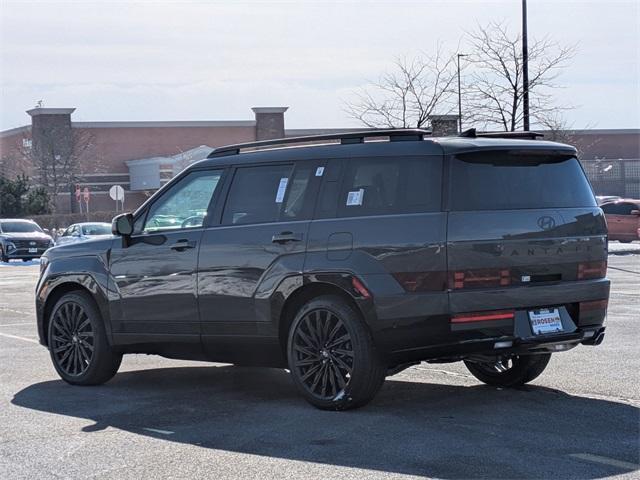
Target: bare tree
(57, 160)
(406, 96)
(493, 90)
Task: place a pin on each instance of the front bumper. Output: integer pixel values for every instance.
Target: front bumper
(23, 253)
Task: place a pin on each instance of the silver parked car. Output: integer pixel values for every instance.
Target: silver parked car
(80, 232)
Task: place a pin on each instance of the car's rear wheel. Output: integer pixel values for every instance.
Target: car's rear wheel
(511, 371)
(331, 355)
(78, 344)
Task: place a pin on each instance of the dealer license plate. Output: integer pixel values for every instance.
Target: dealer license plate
(545, 320)
(33, 250)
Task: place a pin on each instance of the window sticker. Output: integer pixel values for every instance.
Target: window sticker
(319, 171)
(282, 188)
(355, 197)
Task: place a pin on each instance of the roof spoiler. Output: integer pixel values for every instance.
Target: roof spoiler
(473, 133)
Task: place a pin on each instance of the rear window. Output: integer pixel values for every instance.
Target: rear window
(500, 181)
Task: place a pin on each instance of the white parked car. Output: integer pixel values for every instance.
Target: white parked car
(81, 232)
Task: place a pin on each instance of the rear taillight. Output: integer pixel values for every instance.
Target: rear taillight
(591, 270)
(593, 305)
(480, 278)
(483, 316)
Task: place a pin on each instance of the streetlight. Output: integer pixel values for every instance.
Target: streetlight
(460, 94)
(525, 68)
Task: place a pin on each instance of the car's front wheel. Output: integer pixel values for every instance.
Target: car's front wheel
(332, 357)
(3, 256)
(512, 371)
(78, 343)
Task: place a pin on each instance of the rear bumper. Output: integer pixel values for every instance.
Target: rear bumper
(419, 327)
(503, 345)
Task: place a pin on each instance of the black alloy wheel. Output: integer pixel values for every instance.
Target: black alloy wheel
(509, 371)
(323, 354)
(78, 343)
(332, 356)
(73, 339)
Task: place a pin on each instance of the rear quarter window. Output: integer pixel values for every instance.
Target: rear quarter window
(390, 185)
(500, 181)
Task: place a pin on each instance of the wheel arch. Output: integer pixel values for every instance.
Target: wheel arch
(313, 288)
(63, 286)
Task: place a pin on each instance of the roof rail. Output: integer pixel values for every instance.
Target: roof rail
(473, 133)
(394, 134)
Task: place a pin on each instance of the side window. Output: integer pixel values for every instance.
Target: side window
(381, 186)
(185, 204)
(609, 208)
(257, 195)
(297, 204)
(625, 208)
(618, 208)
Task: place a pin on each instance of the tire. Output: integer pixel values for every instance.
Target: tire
(3, 257)
(518, 370)
(78, 343)
(342, 376)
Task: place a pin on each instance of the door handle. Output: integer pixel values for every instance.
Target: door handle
(286, 237)
(182, 245)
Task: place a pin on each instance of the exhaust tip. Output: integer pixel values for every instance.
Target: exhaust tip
(599, 339)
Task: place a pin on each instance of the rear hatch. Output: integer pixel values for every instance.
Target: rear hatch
(524, 232)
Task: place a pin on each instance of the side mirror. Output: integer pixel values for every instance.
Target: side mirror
(635, 212)
(122, 225)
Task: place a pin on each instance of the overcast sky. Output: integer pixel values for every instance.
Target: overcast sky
(213, 60)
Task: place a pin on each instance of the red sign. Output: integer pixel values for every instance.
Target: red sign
(78, 193)
(86, 194)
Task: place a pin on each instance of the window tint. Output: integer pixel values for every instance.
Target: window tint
(96, 229)
(297, 204)
(257, 194)
(619, 208)
(185, 204)
(390, 185)
(499, 181)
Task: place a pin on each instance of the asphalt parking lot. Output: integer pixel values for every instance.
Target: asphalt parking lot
(169, 419)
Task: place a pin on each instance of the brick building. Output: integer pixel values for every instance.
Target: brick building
(141, 156)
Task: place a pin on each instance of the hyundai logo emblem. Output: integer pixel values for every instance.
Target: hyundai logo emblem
(32, 243)
(546, 222)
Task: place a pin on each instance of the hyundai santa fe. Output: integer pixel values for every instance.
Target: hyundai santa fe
(344, 263)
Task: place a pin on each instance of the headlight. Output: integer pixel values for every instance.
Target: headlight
(44, 261)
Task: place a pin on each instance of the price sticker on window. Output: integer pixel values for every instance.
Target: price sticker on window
(282, 188)
(355, 197)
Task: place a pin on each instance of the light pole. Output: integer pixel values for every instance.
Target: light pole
(459, 95)
(525, 68)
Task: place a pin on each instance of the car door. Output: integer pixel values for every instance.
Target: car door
(616, 213)
(154, 274)
(261, 239)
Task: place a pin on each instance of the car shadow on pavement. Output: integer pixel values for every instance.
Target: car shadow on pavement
(427, 429)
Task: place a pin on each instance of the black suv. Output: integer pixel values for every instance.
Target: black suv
(344, 262)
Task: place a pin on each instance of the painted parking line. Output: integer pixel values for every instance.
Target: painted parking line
(155, 430)
(15, 324)
(19, 338)
(605, 461)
